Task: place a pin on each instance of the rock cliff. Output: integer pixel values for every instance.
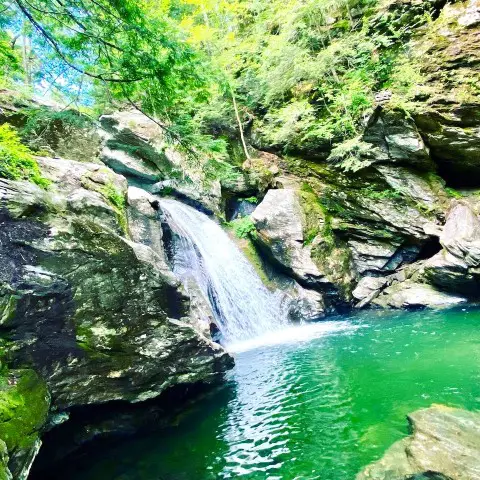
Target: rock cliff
(90, 311)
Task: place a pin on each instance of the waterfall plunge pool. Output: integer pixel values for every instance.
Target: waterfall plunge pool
(321, 404)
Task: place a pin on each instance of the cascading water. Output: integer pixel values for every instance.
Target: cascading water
(243, 307)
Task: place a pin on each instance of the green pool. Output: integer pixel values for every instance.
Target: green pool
(320, 408)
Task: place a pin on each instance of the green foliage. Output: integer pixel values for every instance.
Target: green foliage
(115, 198)
(16, 159)
(317, 220)
(24, 403)
(310, 235)
(253, 200)
(95, 53)
(309, 70)
(218, 169)
(451, 192)
(352, 155)
(304, 72)
(243, 227)
(9, 60)
(43, 122)
(374, 193)
(118, 201)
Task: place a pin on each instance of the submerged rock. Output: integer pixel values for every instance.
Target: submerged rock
(445, 444)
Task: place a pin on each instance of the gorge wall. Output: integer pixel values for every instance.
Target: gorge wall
(90, 311)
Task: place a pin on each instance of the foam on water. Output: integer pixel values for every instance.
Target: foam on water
(293, 334)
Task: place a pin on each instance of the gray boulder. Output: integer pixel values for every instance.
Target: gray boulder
(450, 273)
(461, 234)
(304, 305)
(86, 299)
(278, 221)
(134, 145)
(398, 137)
(445, 444)
(409, 294)
(143, 223)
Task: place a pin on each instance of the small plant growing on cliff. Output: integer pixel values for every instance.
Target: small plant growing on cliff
(16, 159)
(243, 227)
(116, 198)
(451, 192)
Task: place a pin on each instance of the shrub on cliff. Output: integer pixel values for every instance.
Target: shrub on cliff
(16, 160)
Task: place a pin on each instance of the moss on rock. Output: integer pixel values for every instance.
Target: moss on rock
(24, 405)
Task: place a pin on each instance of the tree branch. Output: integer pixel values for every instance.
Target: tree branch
(51, 41)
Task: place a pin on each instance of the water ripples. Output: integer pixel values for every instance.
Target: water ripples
(313, 404)
(284, 399)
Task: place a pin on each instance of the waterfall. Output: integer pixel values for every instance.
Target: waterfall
(243, 307)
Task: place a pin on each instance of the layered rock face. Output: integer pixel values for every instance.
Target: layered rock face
(90, 312)
(443, 446)
(390, 218)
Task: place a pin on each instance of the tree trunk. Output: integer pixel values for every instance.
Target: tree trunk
(239, 121)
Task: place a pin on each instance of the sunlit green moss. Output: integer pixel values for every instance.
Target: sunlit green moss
(16, 159)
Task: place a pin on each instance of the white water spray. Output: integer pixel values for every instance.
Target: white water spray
(243, 307)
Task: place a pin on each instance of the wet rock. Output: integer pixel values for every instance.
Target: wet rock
(398, 137)
(207, 200)
(93, 310)
(444, 444)
(409, 294)
(305, 305)
(278, 220)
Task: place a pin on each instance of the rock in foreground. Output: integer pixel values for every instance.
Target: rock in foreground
(445, 444)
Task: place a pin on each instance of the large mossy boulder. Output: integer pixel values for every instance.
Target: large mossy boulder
(48, 127)
(135, 146)
(89, 306)
(280, 227)
(444, 445)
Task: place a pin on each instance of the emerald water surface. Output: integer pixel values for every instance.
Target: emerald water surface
(316, 409)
